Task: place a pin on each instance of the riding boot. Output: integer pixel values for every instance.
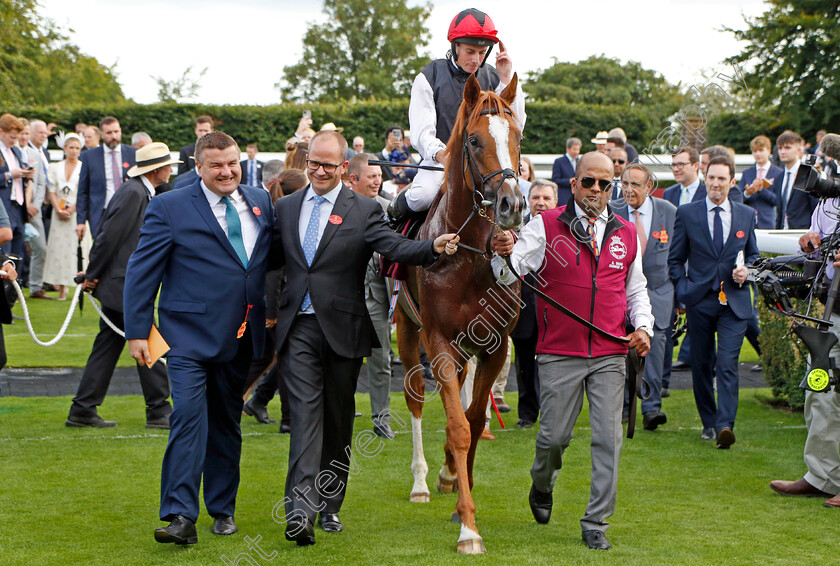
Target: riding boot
(398, 210)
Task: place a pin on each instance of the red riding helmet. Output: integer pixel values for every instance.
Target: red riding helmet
(473, 27)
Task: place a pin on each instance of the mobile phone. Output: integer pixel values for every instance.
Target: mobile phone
(307, 114)
(397, 135)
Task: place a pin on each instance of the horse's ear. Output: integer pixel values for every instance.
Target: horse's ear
(510, 90)
(472, 90)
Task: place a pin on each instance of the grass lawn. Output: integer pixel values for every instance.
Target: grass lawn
(82, 496)
(74, 348)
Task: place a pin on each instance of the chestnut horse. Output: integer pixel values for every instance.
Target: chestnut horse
(464, 311)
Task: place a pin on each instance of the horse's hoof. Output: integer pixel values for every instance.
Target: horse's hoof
(471, 546)
(420, 497)
(447, 486)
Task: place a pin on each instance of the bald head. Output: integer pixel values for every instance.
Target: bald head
(593, 157)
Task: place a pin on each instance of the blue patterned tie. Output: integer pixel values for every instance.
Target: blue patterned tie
(235, 230)
(717, 234)
(310, 241)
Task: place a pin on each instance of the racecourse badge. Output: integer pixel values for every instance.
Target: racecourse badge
(617, 248)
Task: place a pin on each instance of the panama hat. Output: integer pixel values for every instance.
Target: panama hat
(600, 138)
(150, 157)
(329, 126)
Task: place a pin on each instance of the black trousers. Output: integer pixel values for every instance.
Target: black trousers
(321, 388)
(272, 380)
(527, 377)
(99, 370)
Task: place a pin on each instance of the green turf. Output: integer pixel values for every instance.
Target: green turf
(73, 496)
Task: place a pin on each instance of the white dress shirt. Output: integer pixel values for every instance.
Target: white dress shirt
(645, 214)
(109, 170)
(725, 217)
(325, 210)
(250, 227)
(529, 253)
(12, 162)
(148, 184)
(690, 190)
(787, 189)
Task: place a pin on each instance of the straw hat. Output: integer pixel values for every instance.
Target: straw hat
(329, 126)
(601, 138)
(150, 157)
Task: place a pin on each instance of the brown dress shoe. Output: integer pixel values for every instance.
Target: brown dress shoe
(487, 435)
(833, 502)
(798, 488)
(40, 295)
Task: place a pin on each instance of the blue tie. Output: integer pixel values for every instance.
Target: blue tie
(310, 241)
(785, 196)
(235, 230)
(252, 176)
(717, 235)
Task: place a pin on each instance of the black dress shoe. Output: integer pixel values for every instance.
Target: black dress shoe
(180, 531)
(330, 522)
(596, 540)
(300, 531)
(161, 422)
(665, 392)
(725, 438)
(285, 428)
(708, 434)
(254, 409)
(224, 526)
(383, 430)
(524, 423)
(93, 422)
(541, 504)
(653, 419)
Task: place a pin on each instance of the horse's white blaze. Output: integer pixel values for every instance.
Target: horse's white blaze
(500, 130)
(419, 468)
(468, 534)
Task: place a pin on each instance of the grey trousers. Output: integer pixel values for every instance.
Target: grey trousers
(38, 246)
(379, 362)
(822, 446)
(563, 380)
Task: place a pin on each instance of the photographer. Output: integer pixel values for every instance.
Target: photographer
(393, 151)
(822, 410)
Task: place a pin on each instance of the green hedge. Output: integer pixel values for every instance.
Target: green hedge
(549, 124)
(783, 358)
(736, 129)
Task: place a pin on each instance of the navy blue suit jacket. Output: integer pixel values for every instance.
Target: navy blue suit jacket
(672, 194)
(800, 207)
(185, 179)
(561, 173)
(90, 202)
(205, 291)
(6, 191)
(764, 201)
(693, 243)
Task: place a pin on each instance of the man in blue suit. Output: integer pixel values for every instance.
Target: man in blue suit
(104, 170)
(14, 176)
(564, 169)
(794, 208)
(761, 198)
(205, 246)
(717, 239)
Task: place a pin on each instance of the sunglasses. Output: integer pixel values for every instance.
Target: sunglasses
(619, 161)
(587, 182)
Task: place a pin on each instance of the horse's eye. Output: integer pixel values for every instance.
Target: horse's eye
(473, 141)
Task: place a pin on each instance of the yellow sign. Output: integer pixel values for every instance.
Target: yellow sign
(818, 379)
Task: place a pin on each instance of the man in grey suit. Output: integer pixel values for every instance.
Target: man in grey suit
(654, 220)
(366, 180)
(31, 141)
(105, 278)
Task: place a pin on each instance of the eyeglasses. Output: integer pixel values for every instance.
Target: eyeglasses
(587, 182)
(329, 168)
(619, 161)
(679, 164)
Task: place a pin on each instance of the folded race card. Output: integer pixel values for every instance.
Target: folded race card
(766, 183)
(157, 346)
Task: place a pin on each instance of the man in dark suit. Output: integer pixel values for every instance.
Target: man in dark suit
(325, 235)
(794, 208)
(563, 170)
(204, 247)
(7, 266)
(756, 194)
(14, 177)
(185, 180)
(252, 173)
(105, 277)
(717, 239)
(203, 125)
(104, 170)
(654, 221)
(542, 196)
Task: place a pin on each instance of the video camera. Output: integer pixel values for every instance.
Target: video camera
(808, 179)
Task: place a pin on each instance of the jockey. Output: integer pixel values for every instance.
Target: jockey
(437, 94)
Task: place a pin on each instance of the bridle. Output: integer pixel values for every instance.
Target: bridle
(480, 200)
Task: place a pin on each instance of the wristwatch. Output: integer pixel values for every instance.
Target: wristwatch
(646, 329)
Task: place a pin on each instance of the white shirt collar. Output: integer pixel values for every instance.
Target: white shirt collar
(603, 216)
(694, 185)
(331, 196)
(148, 184)
(215, 199)
(646, 209)
(117, 150)
(725, 205)
(793, 168)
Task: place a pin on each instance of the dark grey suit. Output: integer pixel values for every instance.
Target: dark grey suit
(321, 354)
(660, 291)
(115, 241)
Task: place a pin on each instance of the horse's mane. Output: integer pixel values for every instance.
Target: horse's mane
(455, 146)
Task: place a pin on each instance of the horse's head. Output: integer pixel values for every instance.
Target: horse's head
(490, 146)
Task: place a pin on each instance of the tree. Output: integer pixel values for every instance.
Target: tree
(605, 81)
(792, 62)
(366, 49)
(182, 89)
(39, 66)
